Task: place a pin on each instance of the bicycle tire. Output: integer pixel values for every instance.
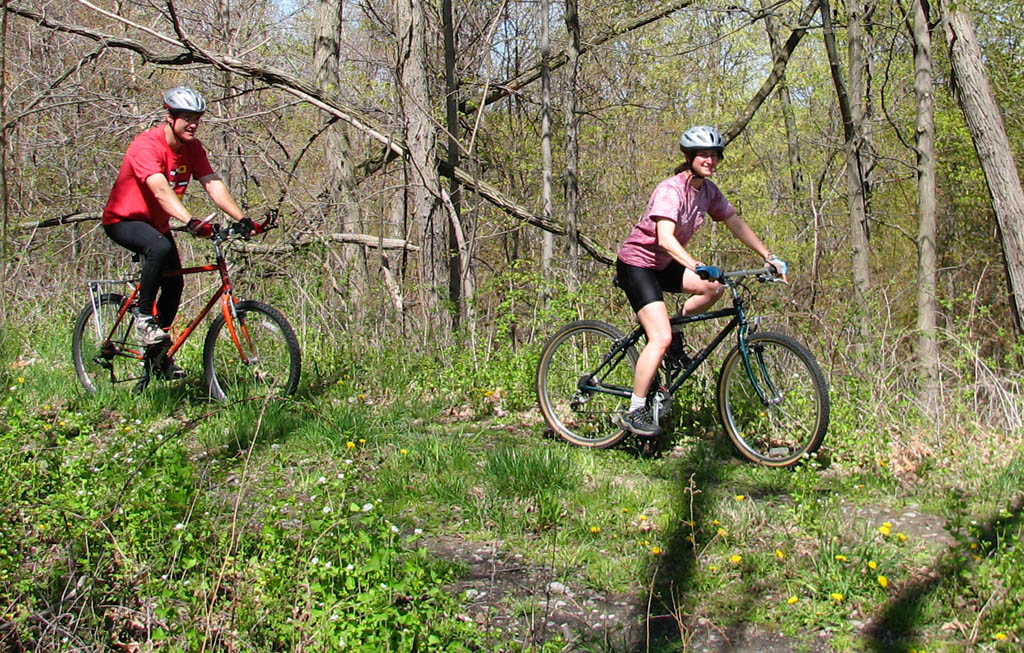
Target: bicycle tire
(586, 419)
(271, 346)
(115, 366)
(793, 425)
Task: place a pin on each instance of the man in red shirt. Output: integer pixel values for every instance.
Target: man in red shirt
(154, 174)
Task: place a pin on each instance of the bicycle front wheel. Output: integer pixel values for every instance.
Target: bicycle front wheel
(775, 412)
(102, 363)
(256, 355)
(580, 394)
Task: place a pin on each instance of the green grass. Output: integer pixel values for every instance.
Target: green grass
(168, 520)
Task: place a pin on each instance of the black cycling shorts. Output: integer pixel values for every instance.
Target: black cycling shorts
(645, 286)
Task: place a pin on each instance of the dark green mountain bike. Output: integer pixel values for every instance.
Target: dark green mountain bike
(772, 396)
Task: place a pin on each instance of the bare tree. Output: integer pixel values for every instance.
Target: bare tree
(572, 141)
(851, 110)
(423, 183)
(548, 240)
(927, 306)
(992, 144)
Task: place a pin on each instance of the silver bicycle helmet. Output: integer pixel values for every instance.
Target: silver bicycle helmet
(702, 137)
(183, 98)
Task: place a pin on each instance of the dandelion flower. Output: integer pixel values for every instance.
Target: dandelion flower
(779, 554)
(883, 581)
(721, 532)
(403, 451)
(643, 518)
(656, 550)
(624, 509)
(735, 559)
(712, 567)
(1000, 636)
(350, 445)
(791, 600)
(837, 597)
(901, 537)
(595, 529)
(840, 557)
(885, 529)
(872, 564)
(715, 522)
(740, 497)
(690, 539)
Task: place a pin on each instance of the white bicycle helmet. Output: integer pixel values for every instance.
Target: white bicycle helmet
(702, 137)
(183, 98)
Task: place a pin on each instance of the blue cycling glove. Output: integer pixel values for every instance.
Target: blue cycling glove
(708, 272)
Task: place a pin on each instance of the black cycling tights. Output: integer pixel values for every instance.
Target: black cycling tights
(159, 253)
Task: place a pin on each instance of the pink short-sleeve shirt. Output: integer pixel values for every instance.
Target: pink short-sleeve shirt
(676, 200)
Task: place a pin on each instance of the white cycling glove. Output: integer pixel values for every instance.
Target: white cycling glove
(777, 263)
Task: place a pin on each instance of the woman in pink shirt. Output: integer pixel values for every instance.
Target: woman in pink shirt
(653, 259)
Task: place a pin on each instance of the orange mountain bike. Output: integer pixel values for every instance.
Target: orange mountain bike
(250, 347)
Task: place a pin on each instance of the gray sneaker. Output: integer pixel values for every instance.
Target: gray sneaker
(148, 332)
(640, 422)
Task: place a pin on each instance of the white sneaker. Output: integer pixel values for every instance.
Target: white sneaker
(148, 332)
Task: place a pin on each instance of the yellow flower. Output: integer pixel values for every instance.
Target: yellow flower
(689, 538)
(595, 529)
(656, 550)
(974, 545)
(350, 445)
(837, 597)
(362, 440)
(735, 559)
(791, 600)
(740, 497)
(715, 523)
(840, 557)
(625, 510)
(779, 554)
(643, 518)
(872, 564)
(403, 451)
(1000, 636)
(722, 532)
(884, 529)
(883, 581)
(21, 379)
(712, 567)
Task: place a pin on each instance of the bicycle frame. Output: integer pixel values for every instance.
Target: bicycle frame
(739, 323)
(223, 294)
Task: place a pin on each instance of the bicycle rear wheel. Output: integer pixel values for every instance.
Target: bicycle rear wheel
(269, 362)
(103, 364)
(566, 383)
(792, 419)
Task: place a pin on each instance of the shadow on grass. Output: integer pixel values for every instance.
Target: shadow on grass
(894, 629)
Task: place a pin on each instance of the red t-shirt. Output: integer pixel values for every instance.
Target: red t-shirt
(149, 154)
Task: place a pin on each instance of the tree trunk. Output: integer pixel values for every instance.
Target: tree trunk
(424, 184)
(988, 132)
(548, 240)
(456, 244)
(572, 143)
(851, 109)
(927, 306)
(339, 191)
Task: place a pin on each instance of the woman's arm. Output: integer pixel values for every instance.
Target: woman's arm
(746, 235)
(667, 241)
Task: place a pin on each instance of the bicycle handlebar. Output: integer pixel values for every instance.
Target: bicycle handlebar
(765, 275)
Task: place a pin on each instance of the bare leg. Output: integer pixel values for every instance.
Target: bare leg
(654, 319)
(704, 293)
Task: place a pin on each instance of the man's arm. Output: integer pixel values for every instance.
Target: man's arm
(168, 199)
(218, 192)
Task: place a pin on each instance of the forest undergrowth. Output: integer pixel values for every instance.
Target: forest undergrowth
(165, 522)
